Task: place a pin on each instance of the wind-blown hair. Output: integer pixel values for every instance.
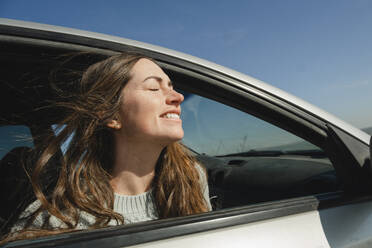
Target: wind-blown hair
(84, 173)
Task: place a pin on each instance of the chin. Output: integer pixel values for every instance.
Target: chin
(172, 138)
(175, 138)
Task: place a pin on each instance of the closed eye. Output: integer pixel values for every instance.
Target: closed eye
(154, 89)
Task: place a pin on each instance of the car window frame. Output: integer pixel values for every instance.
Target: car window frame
(168, 228)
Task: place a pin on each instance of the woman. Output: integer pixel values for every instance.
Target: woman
(123, 163)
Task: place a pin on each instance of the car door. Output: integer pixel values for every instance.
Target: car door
(281, 172)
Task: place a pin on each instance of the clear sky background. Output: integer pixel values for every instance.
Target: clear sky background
(319, 50)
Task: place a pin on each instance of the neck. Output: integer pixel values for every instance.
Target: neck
(134, 166)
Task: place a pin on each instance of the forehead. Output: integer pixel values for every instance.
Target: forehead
(145, 68)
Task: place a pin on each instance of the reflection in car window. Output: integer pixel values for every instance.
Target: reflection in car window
(216, 129)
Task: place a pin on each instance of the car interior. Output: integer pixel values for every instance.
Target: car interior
(35, 71)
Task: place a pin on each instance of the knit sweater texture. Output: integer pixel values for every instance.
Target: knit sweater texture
(134, 208)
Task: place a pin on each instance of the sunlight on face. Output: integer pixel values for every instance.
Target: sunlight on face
(150, 109)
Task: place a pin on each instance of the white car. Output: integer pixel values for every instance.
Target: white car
(282, 173)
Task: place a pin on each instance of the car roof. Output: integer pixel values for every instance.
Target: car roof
(293, 100)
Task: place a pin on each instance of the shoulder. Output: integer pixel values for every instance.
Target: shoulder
(204, 184)
(26, 214)
(84, 222)
(39, 220)
(30, 209)
(200, 169)
(202, 172)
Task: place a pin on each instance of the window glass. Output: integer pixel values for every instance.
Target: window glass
(216, 129)
(249, 160)
(14, 136)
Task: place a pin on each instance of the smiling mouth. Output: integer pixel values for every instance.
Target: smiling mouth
(172, 116)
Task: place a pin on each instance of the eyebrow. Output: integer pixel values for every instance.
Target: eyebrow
(159, 79)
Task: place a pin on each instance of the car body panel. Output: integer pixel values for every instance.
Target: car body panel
(348, 225)
(278, 232)
(344, 226)
(250, 81)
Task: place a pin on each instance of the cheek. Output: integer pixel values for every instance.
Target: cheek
(139, 114)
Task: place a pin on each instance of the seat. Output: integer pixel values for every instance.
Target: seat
(15, 187)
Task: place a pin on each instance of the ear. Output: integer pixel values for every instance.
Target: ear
(114, 124)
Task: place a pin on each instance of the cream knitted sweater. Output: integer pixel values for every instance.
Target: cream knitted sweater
(134, 208)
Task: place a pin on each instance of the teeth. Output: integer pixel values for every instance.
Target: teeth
(172, 116)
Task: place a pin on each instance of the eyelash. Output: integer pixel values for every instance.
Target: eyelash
(154, 89)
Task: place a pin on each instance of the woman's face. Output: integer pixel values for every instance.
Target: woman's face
(150, 110)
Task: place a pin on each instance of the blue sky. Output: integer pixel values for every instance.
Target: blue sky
(319, 50)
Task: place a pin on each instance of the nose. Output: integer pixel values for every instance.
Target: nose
(174, 98)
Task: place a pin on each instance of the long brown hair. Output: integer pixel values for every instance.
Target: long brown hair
(84, 173)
